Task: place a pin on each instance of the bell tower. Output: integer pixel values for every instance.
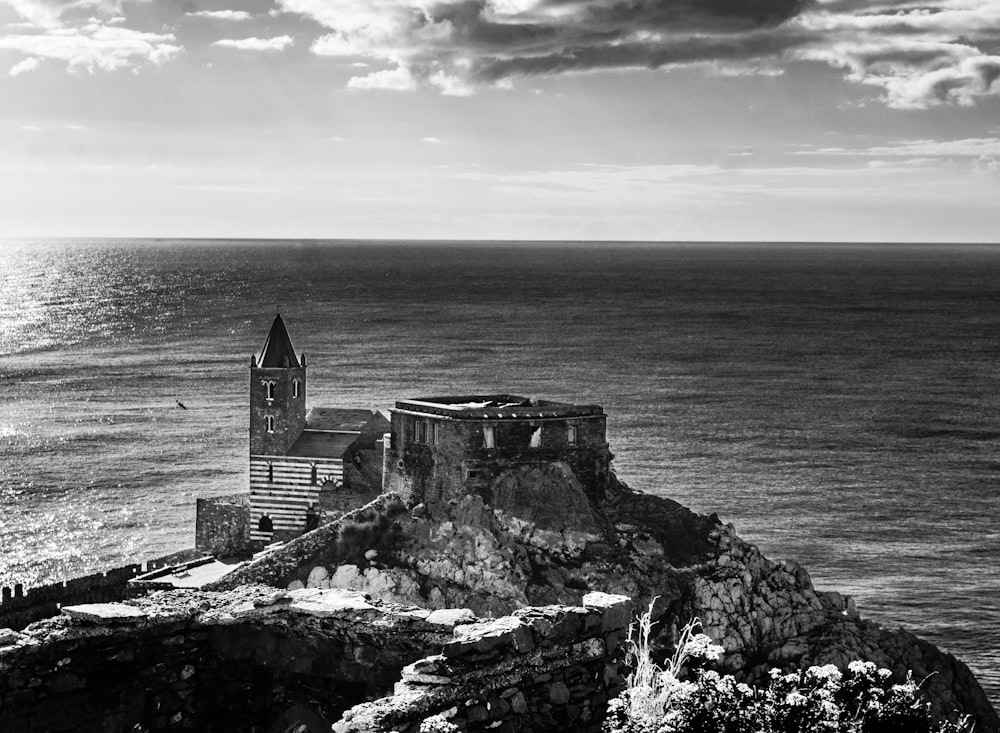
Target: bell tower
(277, 394)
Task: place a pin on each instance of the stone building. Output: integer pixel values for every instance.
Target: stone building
(446, 447)
(304, 464)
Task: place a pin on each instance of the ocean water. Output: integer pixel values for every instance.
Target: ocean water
(840, 404)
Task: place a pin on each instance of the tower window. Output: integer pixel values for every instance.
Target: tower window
(270, 472)
(435, 433)
(489, 436)
(269, 423)
(295, 388)
(571, 434)
(536, 438)
(270, 390)
(313, 476)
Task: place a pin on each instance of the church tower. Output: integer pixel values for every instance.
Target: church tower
(277, 395)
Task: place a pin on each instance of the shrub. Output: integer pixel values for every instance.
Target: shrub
(438, 724)
(686, 696)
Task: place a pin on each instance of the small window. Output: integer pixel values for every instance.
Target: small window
(270, 390)
(489, 436)
(270, 472)
(421, 431)
(435, 433)
(313, 476)
(295, 388)
(269, 423)
(571, 434)
(536, 438)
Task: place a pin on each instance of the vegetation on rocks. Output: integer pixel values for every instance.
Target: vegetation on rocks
(686, 695)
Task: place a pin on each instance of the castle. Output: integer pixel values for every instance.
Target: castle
(309, 466)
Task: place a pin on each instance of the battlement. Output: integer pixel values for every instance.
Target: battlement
(495, 407)
(20, 605)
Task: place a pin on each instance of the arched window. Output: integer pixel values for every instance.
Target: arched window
(536, 438)
(265, 524)
(295, 388)
(269, 423)
(270, 390)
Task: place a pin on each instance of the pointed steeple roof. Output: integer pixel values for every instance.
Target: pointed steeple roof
(278, 351)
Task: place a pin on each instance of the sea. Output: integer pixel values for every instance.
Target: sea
(838, 403)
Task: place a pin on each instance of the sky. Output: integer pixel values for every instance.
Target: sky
(761, 120)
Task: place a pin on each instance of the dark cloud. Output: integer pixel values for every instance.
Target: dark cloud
(921, 53)
(690, 50)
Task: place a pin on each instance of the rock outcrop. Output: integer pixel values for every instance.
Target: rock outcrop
(536, 538)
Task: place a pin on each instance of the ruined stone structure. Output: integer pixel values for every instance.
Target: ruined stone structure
(447, 447)
(258, 660)
(298, 458)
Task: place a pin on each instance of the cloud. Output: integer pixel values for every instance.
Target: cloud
(456, 46)
(221, 14)
(398, 80)
(978, 154)
(49, 13)
(265, 45)
(23, 67)
(431, 140)
(95, 47)
(970, 147)
(919, 52)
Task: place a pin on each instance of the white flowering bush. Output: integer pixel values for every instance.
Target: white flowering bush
(687, 696)
(438, 724)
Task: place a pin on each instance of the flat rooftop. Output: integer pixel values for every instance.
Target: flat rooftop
(495, 407)
(322, 444)
(193, 574)
(338, 419)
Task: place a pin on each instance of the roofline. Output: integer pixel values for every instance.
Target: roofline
(540, 412)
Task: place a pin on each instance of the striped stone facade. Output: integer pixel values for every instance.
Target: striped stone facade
(283, 488)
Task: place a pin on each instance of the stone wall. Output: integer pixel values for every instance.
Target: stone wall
(448, 459)
(222, 526)
(371, 528)
(259, 660)
(551, 668)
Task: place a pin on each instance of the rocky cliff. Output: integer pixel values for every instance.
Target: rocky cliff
(536, 538)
